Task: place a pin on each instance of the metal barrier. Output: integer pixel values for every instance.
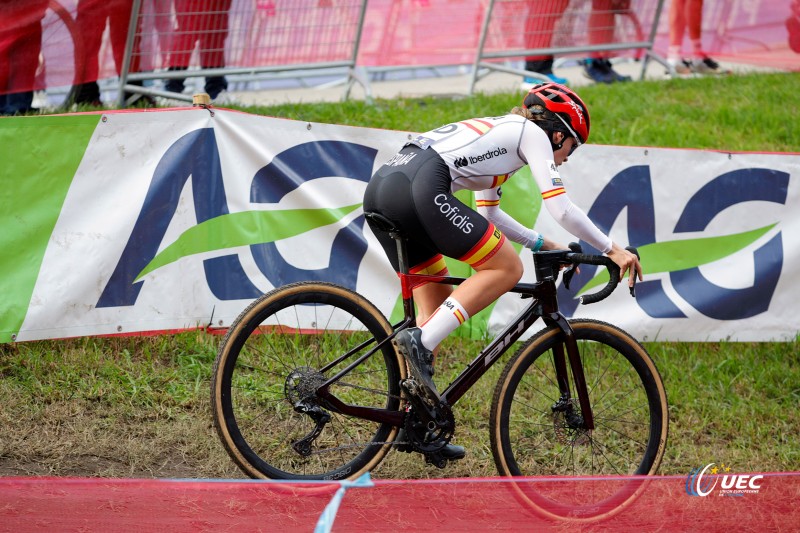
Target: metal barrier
(517, 29)
(345, 40)
(179, 39)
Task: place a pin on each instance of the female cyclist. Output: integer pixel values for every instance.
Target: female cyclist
(414, 189)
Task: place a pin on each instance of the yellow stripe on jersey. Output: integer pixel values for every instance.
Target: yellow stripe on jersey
(459, 316)
(434, 266)
(499, 180)
(487, 203)
(553, 192)
(483, 251)
(478, 126)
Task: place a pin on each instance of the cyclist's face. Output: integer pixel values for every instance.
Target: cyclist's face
(562, 154)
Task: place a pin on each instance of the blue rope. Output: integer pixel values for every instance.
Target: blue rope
(325, 522)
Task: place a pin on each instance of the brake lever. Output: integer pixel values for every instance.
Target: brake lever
(570, 270)
(635, 252)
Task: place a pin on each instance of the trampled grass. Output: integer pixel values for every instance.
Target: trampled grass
(133, 407)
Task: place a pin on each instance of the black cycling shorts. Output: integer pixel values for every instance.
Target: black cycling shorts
(413, 190)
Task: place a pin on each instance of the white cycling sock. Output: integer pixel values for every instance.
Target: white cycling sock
(442, 322)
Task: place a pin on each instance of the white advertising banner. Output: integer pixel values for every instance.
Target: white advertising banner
(717, 233)
(178, 219)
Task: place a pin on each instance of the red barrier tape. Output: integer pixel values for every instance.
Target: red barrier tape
(491, 504)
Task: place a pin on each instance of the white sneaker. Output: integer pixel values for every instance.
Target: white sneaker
(706, 65)
(680, 67)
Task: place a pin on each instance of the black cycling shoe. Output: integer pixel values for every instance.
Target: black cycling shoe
(419, 359)
(451, 452)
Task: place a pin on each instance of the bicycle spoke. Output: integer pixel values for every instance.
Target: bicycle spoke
(539, 440)
(604, 452)
(600, 413)
(625, 435)
(272, 407)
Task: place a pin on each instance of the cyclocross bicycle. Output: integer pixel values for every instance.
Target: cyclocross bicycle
(308, 385)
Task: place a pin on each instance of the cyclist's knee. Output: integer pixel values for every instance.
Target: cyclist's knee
(507, 264)
(515, 271)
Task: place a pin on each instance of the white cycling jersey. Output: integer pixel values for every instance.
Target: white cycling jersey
(483, 153)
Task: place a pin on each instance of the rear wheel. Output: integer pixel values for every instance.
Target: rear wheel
(269, 366)
(533, 434)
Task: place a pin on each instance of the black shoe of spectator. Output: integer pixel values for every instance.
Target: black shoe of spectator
(85, 94)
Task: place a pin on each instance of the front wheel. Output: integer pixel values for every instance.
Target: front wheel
(535, 434)
(270, 363)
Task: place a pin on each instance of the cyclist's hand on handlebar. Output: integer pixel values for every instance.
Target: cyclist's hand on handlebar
(553, 245)
(627, 263)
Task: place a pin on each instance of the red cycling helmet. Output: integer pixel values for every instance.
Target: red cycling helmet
(565, 104)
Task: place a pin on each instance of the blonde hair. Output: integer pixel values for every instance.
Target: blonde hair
(535, 113)
(523, 112)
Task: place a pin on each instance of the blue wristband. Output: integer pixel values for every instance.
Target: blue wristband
(538, 244)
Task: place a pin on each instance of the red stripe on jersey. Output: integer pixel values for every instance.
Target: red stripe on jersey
(487, 124)
(473, 128)
(425, 265)
(553, 193)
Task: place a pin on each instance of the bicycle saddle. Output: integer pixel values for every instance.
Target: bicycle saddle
(382, 223)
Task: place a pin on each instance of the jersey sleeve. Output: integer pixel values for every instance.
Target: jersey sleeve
(488, 203)
(538, 152)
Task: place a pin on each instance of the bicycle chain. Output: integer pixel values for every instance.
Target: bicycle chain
(351, 446)
(376, 391)
(366, 444)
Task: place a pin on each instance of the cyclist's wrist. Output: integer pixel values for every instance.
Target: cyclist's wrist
(538, 243)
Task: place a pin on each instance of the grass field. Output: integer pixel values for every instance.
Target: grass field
(139, 407)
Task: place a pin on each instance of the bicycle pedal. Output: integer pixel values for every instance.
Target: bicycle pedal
(436, 460)
(415, 389)
(410, 386)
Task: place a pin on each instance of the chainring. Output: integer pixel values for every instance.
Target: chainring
(429, 440)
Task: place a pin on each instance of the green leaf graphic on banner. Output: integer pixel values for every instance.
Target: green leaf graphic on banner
(244, 229)
(673, 256)
(40, 156)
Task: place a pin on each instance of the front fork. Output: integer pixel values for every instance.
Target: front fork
(586, 420)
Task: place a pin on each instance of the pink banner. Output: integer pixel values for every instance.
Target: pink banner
(756, 32)
(757, 502)
(51, 43)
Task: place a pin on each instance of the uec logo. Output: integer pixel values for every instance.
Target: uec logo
(731, 484)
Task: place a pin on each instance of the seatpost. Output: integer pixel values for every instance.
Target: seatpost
(401, 251)
(402, 261)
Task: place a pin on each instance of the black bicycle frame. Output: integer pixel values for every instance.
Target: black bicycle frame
(544, 305)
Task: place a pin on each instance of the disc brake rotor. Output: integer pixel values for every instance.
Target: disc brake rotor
(566, 433)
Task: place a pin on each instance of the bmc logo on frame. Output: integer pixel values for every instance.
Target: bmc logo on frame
(703, 481)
